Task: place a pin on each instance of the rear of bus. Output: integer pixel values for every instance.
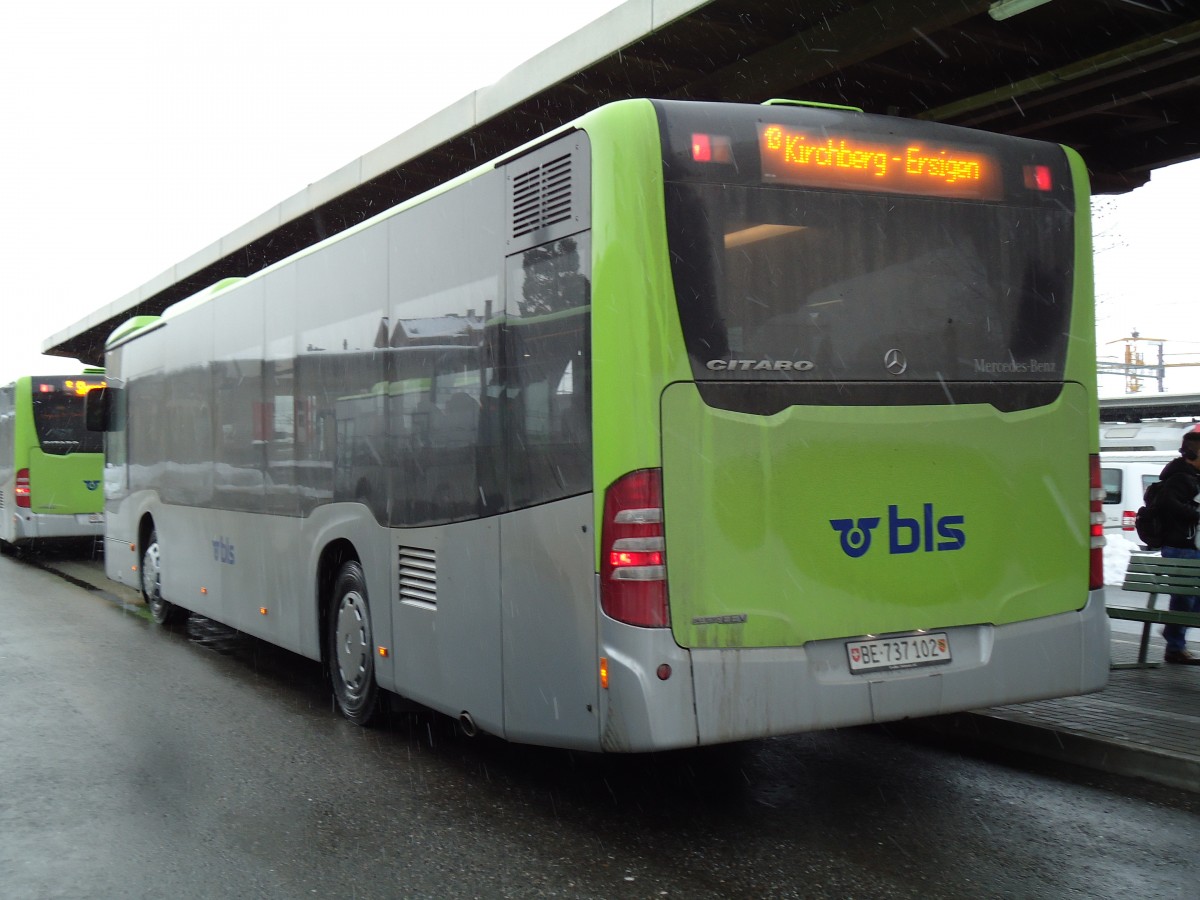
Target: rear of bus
(53, 466)
(870, 345)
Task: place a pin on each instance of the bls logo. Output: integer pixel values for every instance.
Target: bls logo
(223, 551)
(905, 535)
(91, 485)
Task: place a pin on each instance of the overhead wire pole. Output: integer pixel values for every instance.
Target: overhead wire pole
(1135, 365)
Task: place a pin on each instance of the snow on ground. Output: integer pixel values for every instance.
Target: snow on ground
(1116, 558)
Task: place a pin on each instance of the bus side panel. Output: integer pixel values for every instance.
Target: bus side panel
(266, 570)
(549, 625)
(637, 343)
(122, 552)
(445, 619)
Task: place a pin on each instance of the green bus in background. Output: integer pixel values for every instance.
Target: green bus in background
(686, 423)
(51, 466)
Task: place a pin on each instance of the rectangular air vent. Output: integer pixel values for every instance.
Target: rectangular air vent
(541, 196)
(418, 576)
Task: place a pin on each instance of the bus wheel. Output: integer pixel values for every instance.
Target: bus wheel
(351, 656)
(162, 611)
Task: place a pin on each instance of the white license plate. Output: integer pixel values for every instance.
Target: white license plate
(900, 651)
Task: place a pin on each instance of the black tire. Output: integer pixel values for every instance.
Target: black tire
(350, 649)
(162, 611)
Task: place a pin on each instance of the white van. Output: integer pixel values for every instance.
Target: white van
(1130, 436)
(1125, 476)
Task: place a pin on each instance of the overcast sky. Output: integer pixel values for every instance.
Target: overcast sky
(1148, 276)
(138, 133)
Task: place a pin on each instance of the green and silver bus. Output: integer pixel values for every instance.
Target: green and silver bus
(51, 465)
(687, 423)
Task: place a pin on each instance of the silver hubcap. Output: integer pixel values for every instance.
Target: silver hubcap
(353, 642)
(152, 575)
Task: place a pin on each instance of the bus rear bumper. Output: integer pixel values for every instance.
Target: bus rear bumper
(750, 693)
(719, 695)
(29, 526)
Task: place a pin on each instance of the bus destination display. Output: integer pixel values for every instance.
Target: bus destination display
(826, 159)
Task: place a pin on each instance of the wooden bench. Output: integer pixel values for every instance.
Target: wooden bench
(1152, 574)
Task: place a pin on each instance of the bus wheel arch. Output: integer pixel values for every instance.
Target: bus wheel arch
(347, 646)
(163, 611)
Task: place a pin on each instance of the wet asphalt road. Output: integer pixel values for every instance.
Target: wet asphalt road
(137, 761)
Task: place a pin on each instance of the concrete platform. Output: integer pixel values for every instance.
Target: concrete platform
(1145, 723)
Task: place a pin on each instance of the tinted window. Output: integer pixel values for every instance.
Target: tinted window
(817, 285)
(58, 418)
(408, 367)
(545, 395)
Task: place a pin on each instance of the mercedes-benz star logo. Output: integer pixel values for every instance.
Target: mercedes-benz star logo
(895, 362)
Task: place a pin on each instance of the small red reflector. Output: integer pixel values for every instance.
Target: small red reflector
(701, 148)
(664, 672)
(1037, 178)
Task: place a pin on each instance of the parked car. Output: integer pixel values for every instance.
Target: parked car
(1125, 476)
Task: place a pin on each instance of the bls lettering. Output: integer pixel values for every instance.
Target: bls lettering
(905, 534)
(223, 551)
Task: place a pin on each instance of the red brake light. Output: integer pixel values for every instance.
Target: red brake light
(22, 489)
(1096, 514)
(1128, 517)
(633, 574)
(712, 148)
(1038, 178)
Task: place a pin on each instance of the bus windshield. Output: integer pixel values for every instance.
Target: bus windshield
(58, 416)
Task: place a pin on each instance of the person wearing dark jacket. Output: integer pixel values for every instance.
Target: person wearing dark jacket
(1177, 502)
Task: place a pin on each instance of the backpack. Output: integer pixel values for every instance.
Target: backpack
(1151, 529)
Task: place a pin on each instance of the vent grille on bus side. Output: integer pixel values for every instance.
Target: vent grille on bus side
(418, 576)
(542, 196)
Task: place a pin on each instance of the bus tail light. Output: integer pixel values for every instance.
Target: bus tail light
(633, 569)
(22, 489)
(709, 148)
(1128, 520)
(1096, 574)
(1038, 178)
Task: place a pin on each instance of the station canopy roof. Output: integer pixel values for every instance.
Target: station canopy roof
(1118, 80)
(1146, 407)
